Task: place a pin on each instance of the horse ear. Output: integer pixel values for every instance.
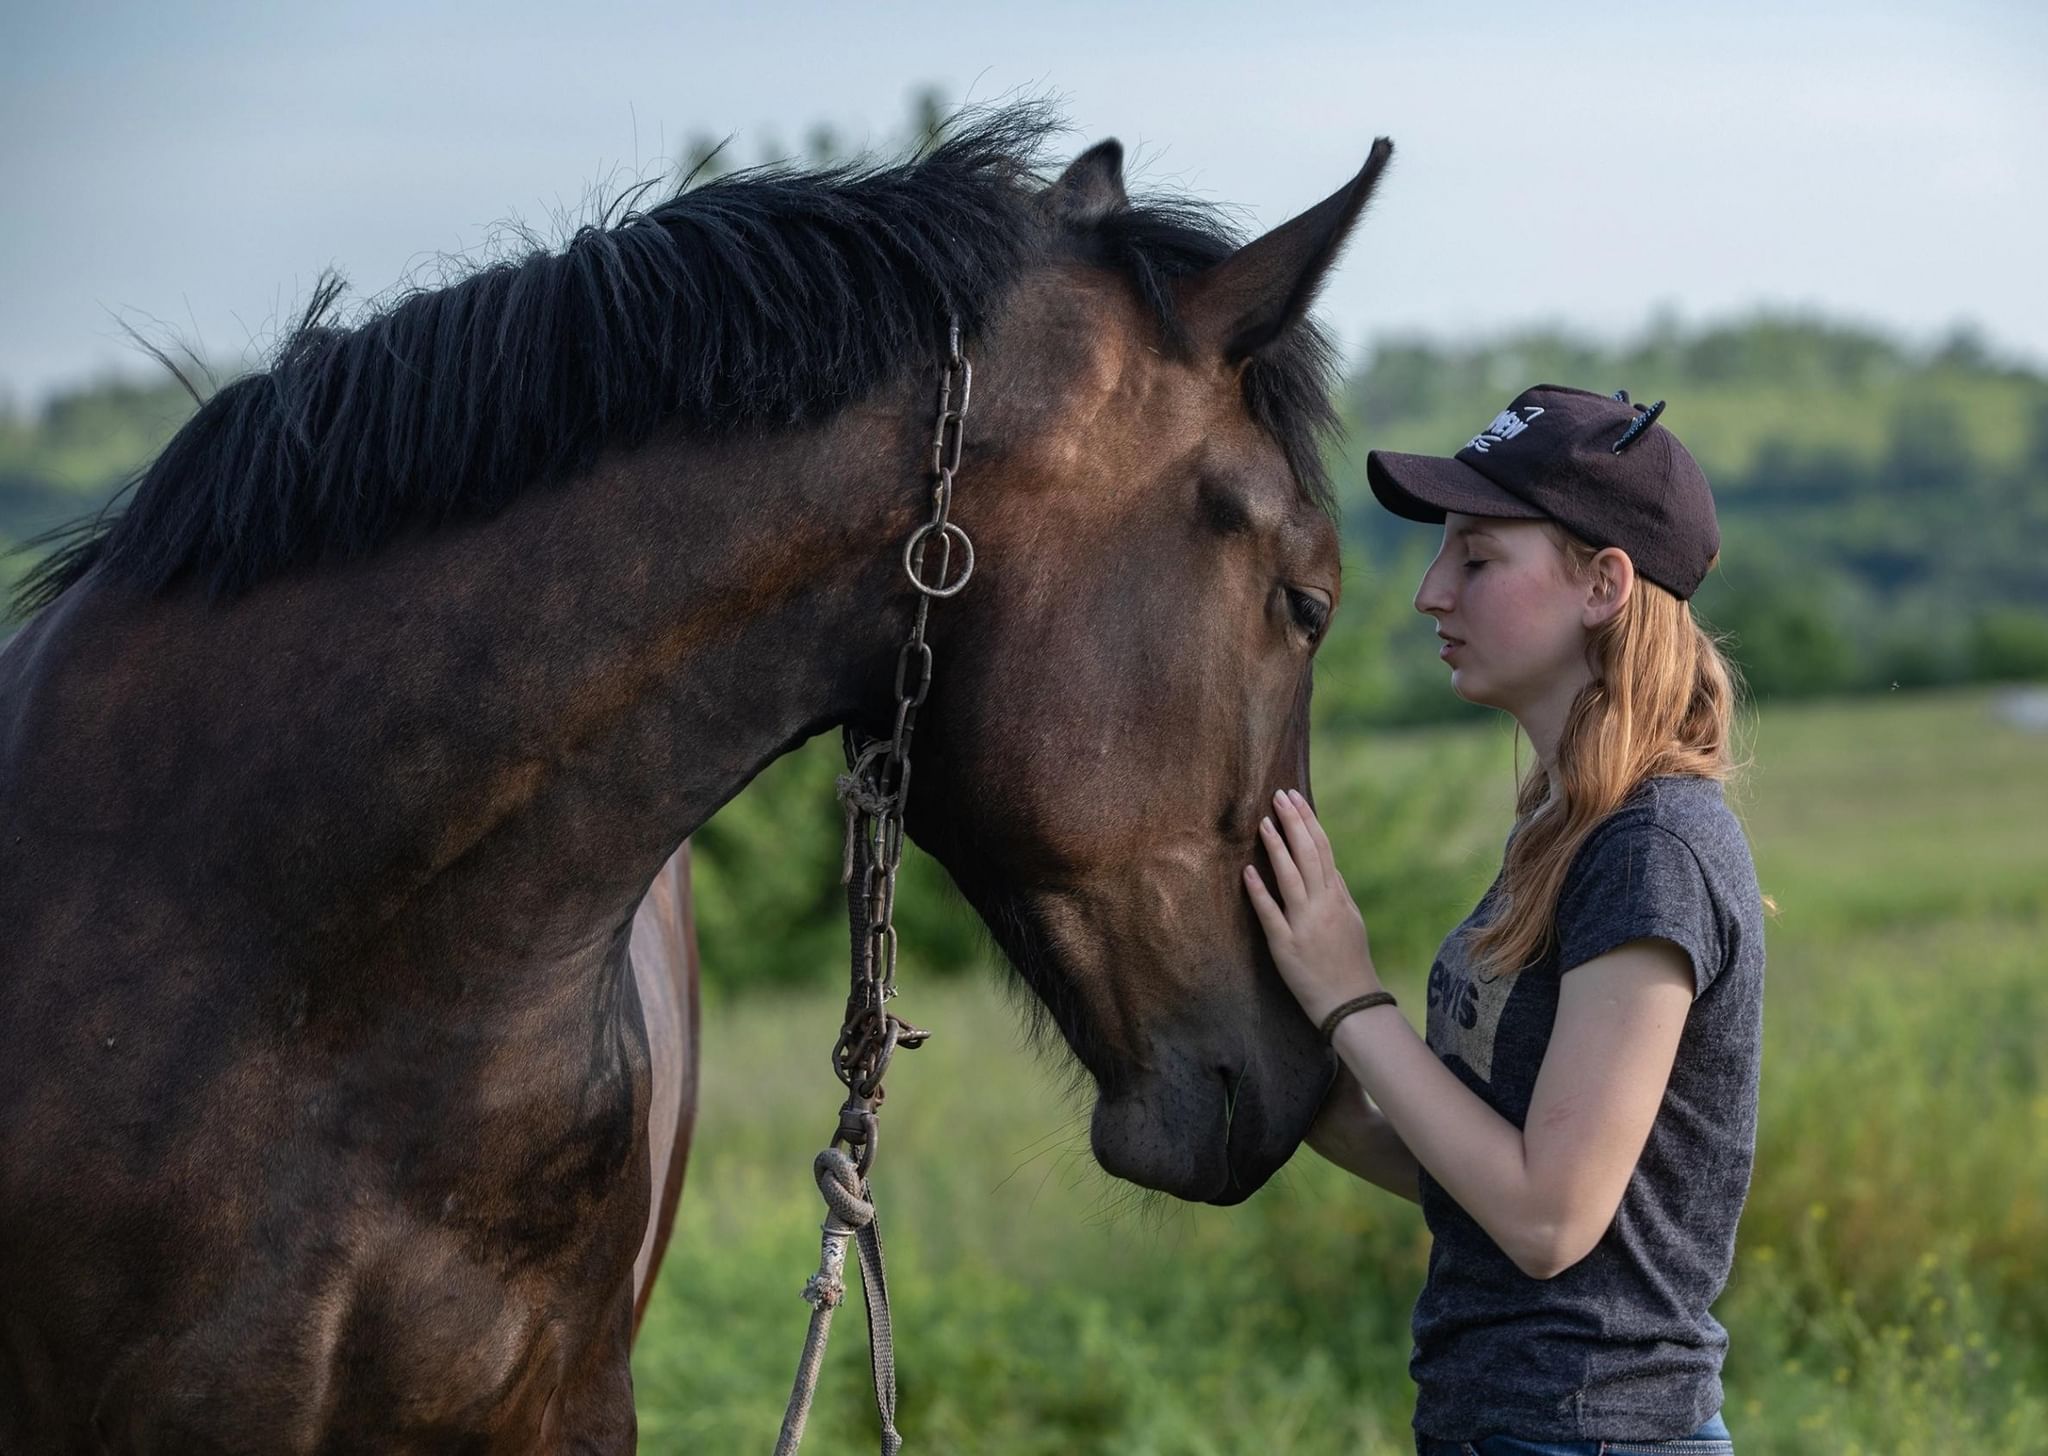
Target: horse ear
(1239, 306)
(1091, 188)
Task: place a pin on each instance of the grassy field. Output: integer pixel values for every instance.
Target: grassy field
(1888, 1291)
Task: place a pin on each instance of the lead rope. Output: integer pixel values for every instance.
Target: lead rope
(874, 792)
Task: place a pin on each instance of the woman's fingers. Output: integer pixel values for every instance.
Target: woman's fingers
(1271, 916)
(1286, 873)
(1307, 858)
(1322, 840)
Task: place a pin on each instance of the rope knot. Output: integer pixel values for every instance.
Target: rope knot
(858, 794)
(843, 1188)
(861, 795)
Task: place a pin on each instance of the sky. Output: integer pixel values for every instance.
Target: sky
(190, 169)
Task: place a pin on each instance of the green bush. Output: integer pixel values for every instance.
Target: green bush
(2009, 645)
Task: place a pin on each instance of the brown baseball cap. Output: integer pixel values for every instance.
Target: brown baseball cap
(1602, 468)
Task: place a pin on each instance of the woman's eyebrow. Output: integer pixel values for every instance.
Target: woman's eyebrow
(1467, 532)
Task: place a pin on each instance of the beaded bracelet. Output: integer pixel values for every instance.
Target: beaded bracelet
(1356, 1003)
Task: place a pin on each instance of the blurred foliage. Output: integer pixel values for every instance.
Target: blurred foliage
(70, 456)
(706, 157)
(772, 858)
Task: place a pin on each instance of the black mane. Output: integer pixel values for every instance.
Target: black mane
(767, 298)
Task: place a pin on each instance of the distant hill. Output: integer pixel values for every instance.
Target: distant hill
(71, 455)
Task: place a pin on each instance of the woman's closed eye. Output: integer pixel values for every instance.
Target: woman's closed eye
(1477, 562)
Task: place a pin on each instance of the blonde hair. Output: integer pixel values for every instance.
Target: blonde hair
(1663, 700)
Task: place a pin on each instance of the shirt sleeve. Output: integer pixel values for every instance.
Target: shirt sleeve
(1633, 881)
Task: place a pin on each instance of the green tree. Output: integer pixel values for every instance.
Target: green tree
(2009, 644)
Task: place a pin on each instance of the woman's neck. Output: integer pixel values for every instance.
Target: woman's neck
(1543, 721)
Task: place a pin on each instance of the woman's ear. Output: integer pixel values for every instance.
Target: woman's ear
(1612, 579)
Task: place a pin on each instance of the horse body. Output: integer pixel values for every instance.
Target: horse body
(346, 999)
(369, 1074)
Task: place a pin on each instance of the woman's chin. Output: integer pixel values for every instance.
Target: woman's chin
(1470, 689)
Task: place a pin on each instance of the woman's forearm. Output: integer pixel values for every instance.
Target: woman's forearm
(1476, 1154)
(1369, 1148)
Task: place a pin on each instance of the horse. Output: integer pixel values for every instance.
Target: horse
(346, 1003)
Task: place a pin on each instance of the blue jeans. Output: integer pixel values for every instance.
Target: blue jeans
(1712, 1439)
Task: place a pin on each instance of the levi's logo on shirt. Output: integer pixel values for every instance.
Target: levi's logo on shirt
(1464, 1011)
(1506, 425)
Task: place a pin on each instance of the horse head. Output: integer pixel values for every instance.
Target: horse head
(1127, 681)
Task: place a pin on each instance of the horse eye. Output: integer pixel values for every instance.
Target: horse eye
(1310, 611)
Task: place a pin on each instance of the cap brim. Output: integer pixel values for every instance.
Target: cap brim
(1427, 487)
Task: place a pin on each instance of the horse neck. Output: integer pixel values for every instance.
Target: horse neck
(708, 609)
(489, 737)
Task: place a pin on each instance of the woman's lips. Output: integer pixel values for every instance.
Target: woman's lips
(1451, 644)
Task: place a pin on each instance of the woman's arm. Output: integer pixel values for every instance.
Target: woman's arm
(1547, 1191)
(1357, 1137)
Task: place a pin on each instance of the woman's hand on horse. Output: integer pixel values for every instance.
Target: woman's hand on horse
(1317, 935)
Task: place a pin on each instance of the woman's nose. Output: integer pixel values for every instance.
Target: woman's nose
(1432, 597)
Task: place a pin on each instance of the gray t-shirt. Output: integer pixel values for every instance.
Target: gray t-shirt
(1621, 1345)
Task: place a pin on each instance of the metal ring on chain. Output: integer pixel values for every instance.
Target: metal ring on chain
(913, 558)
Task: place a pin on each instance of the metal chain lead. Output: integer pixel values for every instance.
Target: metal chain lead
(875, 791)
(876, 787)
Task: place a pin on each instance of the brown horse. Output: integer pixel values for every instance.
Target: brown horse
(345, 1010)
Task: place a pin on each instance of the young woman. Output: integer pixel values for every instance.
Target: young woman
(1580, 1121)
